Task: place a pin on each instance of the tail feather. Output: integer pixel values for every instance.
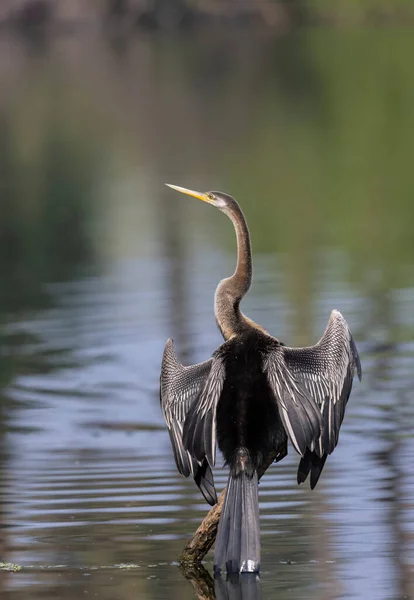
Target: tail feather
(238, 536)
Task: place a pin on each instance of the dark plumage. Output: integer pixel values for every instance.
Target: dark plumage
(256, 425)
(250, 397)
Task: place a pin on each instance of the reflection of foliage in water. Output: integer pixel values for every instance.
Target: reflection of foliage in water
(43, 233)
(181, 14)
(331, 162)
(46, 190)
(310, 132)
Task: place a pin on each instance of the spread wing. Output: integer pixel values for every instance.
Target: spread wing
(180, 388)
(326, 371)
(199, 435)
(299, 412)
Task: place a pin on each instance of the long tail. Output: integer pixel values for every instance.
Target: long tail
(238, 535)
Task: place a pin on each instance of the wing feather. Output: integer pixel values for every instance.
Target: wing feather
(300, 415)
(199, 432)
(180, 387)
(326, 370)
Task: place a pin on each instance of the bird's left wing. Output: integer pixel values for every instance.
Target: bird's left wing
(180, 388)
(199, 434)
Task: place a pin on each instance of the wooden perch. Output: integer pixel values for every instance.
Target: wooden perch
(204, 537)
(200, 579)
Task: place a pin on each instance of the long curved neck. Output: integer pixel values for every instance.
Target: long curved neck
(239, 283)
(230, 291)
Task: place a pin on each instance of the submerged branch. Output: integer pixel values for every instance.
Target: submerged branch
(200, 579)
(204, 537)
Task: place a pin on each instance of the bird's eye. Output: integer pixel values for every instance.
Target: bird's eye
(210, 196)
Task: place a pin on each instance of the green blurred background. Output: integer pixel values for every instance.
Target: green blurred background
(311, 130)
(304, 111)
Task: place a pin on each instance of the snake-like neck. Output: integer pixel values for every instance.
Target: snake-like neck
(230, 291)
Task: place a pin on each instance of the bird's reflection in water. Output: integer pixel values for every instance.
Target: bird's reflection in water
(245, 586)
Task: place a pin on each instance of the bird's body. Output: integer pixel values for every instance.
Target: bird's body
(247, 416)
(250, 397)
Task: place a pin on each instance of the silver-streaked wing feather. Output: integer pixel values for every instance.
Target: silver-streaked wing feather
(199, 433)
(299, 412)
(326, 370)
(180, 388)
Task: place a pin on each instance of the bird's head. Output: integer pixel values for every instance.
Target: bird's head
(220, 200)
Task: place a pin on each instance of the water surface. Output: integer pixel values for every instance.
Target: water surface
(100, 264)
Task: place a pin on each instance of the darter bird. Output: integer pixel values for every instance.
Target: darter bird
(249, 398)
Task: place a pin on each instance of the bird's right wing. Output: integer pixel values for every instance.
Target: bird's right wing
(299, 412)
(326, 370)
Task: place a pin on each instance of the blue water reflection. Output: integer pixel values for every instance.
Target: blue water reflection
(94, 279)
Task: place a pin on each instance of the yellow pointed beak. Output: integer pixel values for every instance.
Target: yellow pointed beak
(198, 195)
